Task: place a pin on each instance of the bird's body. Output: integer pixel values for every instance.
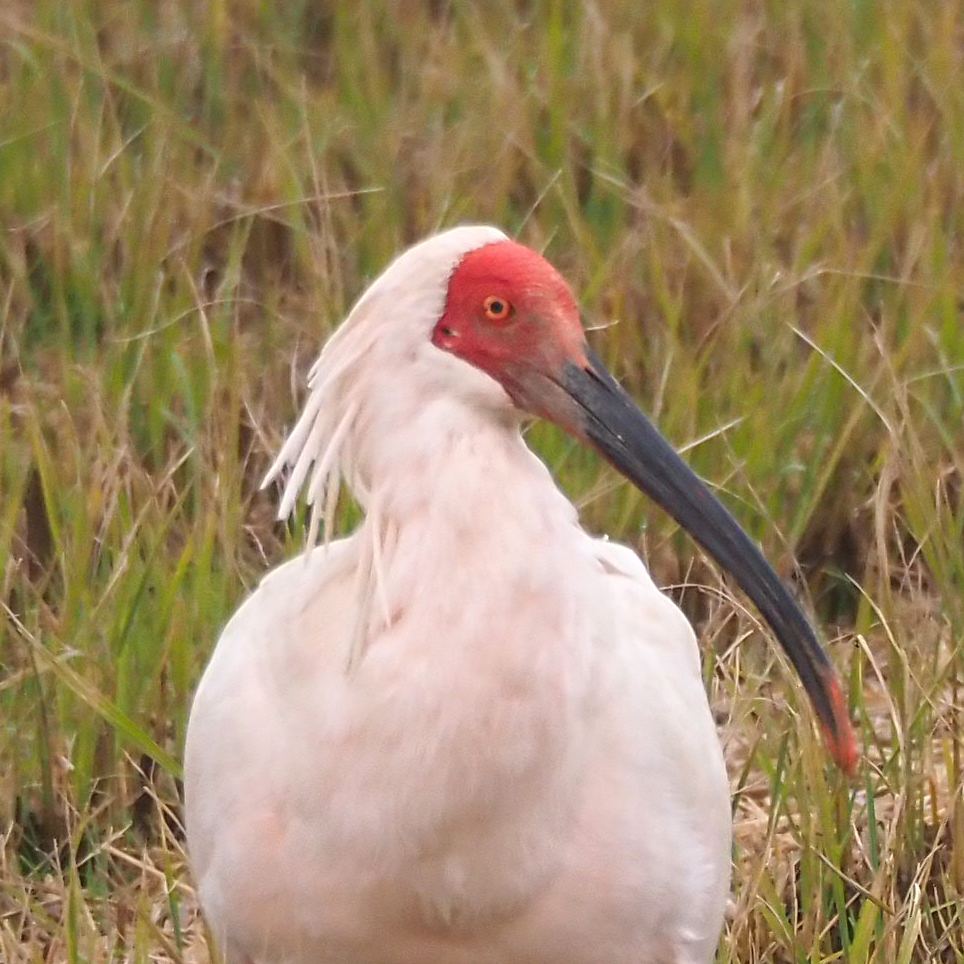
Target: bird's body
(468, 733)
(493, 782)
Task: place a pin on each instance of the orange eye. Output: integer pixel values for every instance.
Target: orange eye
(496, 308)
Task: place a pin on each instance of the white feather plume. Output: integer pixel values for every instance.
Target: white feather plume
(319, 449)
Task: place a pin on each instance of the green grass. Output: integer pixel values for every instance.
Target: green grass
(765, 204)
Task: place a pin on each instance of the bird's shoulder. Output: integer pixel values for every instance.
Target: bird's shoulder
(297, 613)
(620, 560)
(310, 569)
(645, 611)
(301, 582)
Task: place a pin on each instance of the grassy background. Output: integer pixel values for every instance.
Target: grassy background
(766, 200)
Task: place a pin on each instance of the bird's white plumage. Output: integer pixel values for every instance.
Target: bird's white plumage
(468, 733)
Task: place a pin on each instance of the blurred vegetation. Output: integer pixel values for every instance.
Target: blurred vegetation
(760, 204)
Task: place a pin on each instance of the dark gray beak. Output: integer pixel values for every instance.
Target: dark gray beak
(608, 418)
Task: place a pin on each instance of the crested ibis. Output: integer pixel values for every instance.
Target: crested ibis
(469, 732)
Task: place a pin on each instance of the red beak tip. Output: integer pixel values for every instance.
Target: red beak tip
(839, 737)
(843, 749)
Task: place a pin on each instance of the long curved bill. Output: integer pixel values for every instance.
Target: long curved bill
(608, 418)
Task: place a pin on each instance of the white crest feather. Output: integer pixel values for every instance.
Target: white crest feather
(321, 442)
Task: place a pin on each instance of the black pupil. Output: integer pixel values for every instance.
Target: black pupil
(496, 307)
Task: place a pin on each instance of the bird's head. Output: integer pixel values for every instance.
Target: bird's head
(509, 313)
(480, 317)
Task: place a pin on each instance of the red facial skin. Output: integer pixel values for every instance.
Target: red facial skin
(526, 350)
